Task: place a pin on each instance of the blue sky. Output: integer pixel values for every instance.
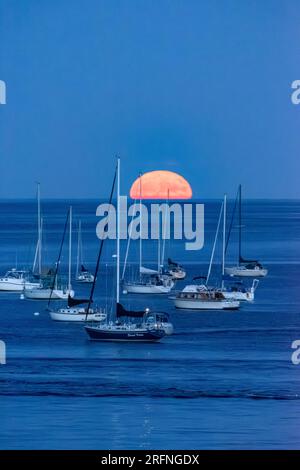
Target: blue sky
(198, 87)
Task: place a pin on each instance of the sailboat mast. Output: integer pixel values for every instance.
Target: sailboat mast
(78, 260)
(54, 282)
(158, 247)
(224, 237)
(37, 262)
(39, 229)
(70, 249)
(141, 225)
(162, 262)
(128, 242)
(100, 252)
(240, 223)
(118, 232)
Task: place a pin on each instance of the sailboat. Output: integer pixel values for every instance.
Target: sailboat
(175, 270)
(236, 290)
(37, 262)
(150, 281)
(148, 326)
(15, 280)
(82, 274)
(55, 291)
(74, 313)
(245, 268)
(202, 296)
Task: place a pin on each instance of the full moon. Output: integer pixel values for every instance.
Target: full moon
(160, 184)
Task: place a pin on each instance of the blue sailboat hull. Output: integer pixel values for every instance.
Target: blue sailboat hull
(98, 334)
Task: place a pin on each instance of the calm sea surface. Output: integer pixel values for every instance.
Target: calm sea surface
(223, 380)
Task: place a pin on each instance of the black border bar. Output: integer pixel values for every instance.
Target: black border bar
(120, 458)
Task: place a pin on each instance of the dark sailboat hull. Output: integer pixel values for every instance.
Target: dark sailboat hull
(97, 334)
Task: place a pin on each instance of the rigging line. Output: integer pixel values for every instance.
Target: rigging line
(70, 251)
(118, 231)
(78, 249)
(141, 225)
(162, 261)
(59, 256)
(35, 257)
(240, 223)
(231, 221)
(214, 245)
(128, 243)
(100, 250)
(45, 243)
(39, 229)
(106, 288)
(37, 249)
(223, 239)
(82, 260)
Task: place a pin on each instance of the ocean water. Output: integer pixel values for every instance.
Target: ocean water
(224, 380)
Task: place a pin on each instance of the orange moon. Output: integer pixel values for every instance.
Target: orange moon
(160, 184)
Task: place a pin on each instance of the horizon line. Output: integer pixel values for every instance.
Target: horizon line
(27, 199)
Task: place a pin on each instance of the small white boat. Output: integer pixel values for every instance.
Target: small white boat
(195, 297)
(16, 280)
(82, 274)
(239, 292)
(244, 268)
(247, 270)
(51, 289)
(178, 274)
(175, 270)
(85, 276)
(234, 289)
(73, 314)
(154, 284)
(40, 293)
(37, 262)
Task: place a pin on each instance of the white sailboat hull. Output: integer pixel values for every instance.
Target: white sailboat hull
(85, 279)
(197, 304)
(240, 296)
(44, 294)
(146, 289)
(127, 333)
(76, 315)
(240, 271)
(16, 285)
